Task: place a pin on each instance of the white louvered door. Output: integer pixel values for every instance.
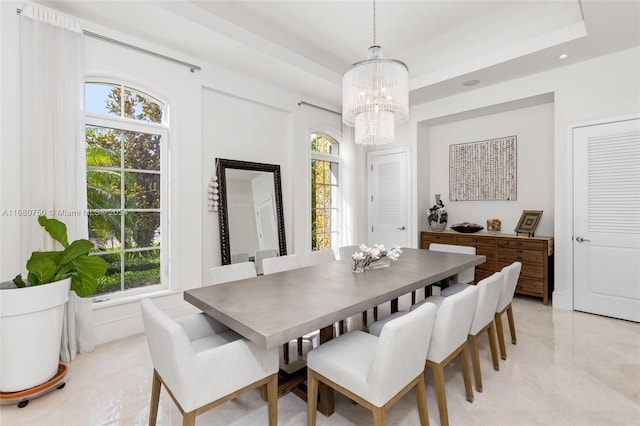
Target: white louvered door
(607, 219)
(388, 198)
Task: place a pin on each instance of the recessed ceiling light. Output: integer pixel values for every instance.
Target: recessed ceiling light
(563, 56)
(471, 83)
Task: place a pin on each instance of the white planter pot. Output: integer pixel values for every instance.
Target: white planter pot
(31, 330)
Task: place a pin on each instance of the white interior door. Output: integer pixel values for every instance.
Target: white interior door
(606, 210)
(388, 198)
(266, 225)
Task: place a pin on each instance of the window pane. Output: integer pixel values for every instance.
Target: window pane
(142, 229)
(103, 146)
(104, 230)
(102, 98)
(141, 151)
(103, 189)
(112, 281)
(142, 190)
(142, 269)
(144, 108)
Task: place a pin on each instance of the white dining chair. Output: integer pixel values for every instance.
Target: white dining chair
(239, 257)
(261, 255)
(318, 257)
(273, 265)
(450, 333)
(511, 276)
(375, 371)
(489, 291)
(232, 272)
(203, 364)
(347, 251)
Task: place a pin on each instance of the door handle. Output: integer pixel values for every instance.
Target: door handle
(581, 240)
(402, 228)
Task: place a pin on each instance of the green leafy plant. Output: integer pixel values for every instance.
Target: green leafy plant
(74, 261)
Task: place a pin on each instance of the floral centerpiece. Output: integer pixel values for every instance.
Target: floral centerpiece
(363, 259)
(438, 215)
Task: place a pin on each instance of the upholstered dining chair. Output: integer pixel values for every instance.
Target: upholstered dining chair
(273, 265)
(232, 272)
(203, 364)
(489, 290)
(261, 255)
(318, 257)
(466, 277)
(375, 371)
(511, 276)
(347, 251)
(448, 341)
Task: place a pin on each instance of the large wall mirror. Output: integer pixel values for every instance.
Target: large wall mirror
(250, 209)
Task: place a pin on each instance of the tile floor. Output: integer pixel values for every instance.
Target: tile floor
(568, 368)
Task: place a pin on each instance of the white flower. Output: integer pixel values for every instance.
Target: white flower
(358, 256)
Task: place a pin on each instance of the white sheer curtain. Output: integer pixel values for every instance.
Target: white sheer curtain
(53, 172)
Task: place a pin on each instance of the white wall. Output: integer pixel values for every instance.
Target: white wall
(533, 127)
(607, 86)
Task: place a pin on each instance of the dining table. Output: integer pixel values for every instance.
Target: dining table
(273, 309)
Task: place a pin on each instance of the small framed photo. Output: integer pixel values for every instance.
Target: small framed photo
(529, 221)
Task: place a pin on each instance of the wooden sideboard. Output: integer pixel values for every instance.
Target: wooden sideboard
(535, 254)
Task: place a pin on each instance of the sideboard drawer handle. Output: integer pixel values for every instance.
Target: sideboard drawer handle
(519, 251)
(519, 258)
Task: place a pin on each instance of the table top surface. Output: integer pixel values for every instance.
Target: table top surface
(273, 309)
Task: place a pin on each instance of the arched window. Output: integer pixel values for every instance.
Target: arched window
(126, 139)
(325, 191)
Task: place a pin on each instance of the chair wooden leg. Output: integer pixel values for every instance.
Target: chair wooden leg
(312, 397)
(364, 320)
(492, 344)
(512, 326)
(466, 375)
(379, 416)
(285, 352)
(475, 360)
(421, 396)
(413, 297)
(299, 346)
(341, 327)
(272, 398)
(155, 398)
(375, 313)
(438, 382)
(189, 419)
(500, 332)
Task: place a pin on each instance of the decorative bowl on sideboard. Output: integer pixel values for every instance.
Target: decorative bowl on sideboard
(466, 227)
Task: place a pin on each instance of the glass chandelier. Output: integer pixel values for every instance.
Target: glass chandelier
(375, 96)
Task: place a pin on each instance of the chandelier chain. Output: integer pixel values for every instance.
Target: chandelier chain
(374, 23)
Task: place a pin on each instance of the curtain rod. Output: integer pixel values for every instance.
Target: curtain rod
(191, 67)
(319, 107)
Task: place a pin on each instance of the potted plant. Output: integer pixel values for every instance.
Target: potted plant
(31, 311)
